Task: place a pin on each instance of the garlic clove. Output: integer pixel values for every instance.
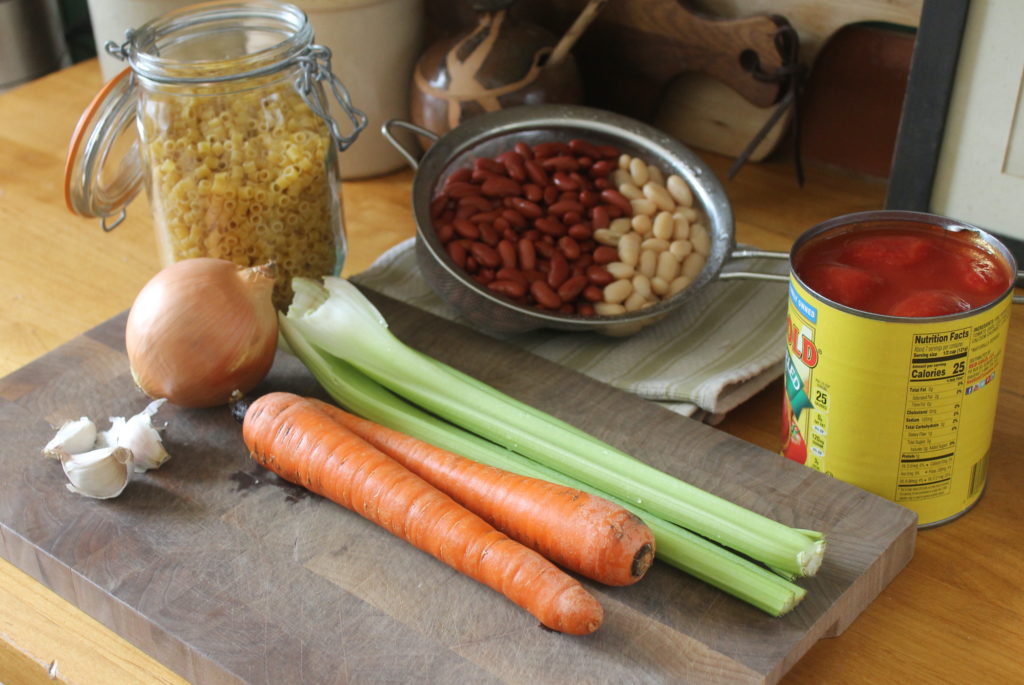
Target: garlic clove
(140, 436)
(101, 473)
(73, 437)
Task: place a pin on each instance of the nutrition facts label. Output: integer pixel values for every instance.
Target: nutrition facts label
(935, 393)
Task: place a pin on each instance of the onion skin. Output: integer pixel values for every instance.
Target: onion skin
(202, 330)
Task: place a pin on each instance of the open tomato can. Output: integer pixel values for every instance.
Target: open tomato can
(897, 327)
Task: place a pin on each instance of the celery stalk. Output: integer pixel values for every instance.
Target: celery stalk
(675, 546)
(339, 320)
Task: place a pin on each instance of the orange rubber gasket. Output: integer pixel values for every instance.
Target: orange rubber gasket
(80, 128)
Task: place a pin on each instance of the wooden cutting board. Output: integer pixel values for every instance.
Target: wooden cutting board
(226, 574)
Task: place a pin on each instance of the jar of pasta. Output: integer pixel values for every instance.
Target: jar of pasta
(223, 116)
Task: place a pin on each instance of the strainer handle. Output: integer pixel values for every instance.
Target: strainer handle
(1019, 299)
(754, 275)
(385, 130)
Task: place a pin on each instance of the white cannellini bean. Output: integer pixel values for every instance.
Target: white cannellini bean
(620, 270)
(656, 244)
(692, 265)
(624, 161)
(664, 225)
(644, 206)
(638, 170)
(656, 175)
(642, 286)
(621, 226)
(678, 284)
(629, 248)
(689, 212)
(641, 223)
(620, 177)
(659, 286)
(668, 266)
(701, 239)
(608, 309)
(680, 190)
(616, 292)
(659, 196)
(606, 237)
(680, 226)
(680, 249)
(634, 302)
(631, 191)
(648, 262)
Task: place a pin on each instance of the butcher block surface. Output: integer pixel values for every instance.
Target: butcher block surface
(225, 573)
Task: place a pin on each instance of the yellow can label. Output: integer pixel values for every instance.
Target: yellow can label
(903, 409)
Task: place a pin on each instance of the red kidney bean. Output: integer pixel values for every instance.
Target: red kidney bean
(598, 275)
(527, 254)
(561, 163)
(537, 173)
(570, 218)
(513, 289)
(460, 189)
(558, 270)
(593, 293)
(484, 276)
(502, 225)
(545, 295)
(507, 252)
(584, 147)
(602, 183)
(550, 226)
(608, 151)
(589, 198)
(472, 266)
(445, 233)
(585, 309)
(549, 149)
(499, 186)
(458, 254)
(491, 165)
(544, 249)
(569, 247)
(484, 217)
(466, 229)
(564, 206)
(614, 211)
(485, 255)
(582, 181)
(530, 210)
(602, 168)
(488, 234)
(605, 254)
(585, 162)
(551, 194)
(533, 192)
(599, 217)
(579, 231)
(478, 202)
(617, 199)
(438, 205)
(459, 176)
(563, 181)
(514, 218)
(524, 150)
(508, 274)
(571, 288)
(514, 164)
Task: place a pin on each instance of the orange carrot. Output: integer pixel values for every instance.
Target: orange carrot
(584, 533)
(294, 438)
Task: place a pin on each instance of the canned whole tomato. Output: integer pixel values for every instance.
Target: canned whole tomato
(897, 326)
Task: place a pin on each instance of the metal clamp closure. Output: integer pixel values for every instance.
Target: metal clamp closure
(315, 68)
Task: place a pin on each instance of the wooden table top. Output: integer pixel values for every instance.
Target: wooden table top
(954, 615)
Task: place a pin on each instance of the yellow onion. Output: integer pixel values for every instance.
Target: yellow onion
(201, 330)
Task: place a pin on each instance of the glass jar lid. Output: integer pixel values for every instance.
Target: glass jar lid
(103, 171)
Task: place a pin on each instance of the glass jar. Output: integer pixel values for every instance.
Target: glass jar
(231, 139)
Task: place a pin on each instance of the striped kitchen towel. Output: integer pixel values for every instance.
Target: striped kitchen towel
(718, 351)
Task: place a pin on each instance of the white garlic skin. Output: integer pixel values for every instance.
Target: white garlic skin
(101, 473)
(73, 437)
